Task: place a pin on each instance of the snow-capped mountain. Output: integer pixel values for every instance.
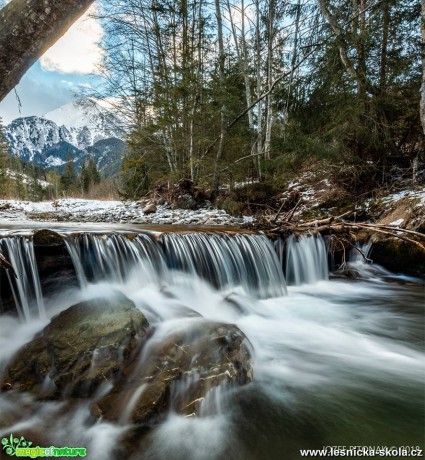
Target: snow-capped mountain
(87, 122)
(74, 130)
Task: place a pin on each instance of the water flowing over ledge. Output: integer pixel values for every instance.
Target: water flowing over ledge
(248, 261)
(333, 361)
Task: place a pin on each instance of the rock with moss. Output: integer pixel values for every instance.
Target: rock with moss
(84, 346)
(398, 256)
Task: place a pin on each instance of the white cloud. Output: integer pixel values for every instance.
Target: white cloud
(78, 51)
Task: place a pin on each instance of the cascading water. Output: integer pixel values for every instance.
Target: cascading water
(340, 363)
(226, 261)
(114, 257)
(306, 259)
(25, 285)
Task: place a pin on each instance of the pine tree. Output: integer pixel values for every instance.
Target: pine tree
(89, 175)
(35, 187)
(68, 180)
(93, 173)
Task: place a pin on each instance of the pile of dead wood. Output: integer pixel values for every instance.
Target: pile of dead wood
(282, 225)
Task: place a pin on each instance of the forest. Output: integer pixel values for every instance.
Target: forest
(226, 93)
(249, 283)
(223, 92)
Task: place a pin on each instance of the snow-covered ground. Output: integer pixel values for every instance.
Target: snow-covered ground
(79, 210)
(418, 194)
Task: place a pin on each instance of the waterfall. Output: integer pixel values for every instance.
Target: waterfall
(249, 262)
(228, 261)
(225, 261)
(306, 260)
(113, 257)
(26, 287)
(357, 257)
(325, 358)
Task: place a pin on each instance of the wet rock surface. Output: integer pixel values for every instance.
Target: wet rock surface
(81, 348)
(150, 370)
(177, 371)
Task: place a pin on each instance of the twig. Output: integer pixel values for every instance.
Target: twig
(292, 212)
(4, 263)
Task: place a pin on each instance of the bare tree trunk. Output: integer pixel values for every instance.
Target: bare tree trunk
(221, 58)
(384, 48)
(294, 59)
(27, 30)
(245, 68)
(269, 110)
(259, 86)
(198, 89)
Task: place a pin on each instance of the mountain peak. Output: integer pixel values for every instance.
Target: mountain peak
(76, 127)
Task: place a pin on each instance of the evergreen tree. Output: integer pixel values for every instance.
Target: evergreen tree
(35, 187)
(93, 173)
(134, 178)
(20, 185)
(89, 175)
(68, 180)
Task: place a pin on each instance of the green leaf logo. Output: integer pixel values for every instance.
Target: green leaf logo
(11, 444)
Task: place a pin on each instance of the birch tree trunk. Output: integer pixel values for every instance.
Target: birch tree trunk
(259, 86)
(27, 30)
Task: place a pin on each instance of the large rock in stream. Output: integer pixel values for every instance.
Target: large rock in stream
(177, 370)
(151, 370)
(82, 347)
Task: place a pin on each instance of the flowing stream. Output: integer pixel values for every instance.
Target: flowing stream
(336, 362)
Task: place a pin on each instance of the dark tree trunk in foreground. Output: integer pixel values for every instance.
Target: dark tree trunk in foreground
(28, 28)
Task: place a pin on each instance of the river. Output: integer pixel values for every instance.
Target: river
(336, 362)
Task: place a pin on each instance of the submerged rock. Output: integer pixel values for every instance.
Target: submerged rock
(82, 347)
(177, 371)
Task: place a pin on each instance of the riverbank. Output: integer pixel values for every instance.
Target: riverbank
(80, 210)
(403, 208)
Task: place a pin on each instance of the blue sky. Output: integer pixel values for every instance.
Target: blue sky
(72, 64)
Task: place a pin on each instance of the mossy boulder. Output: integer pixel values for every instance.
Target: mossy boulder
(398, 256)
(82, 347)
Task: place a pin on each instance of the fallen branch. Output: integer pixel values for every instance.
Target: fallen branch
(388, 227)
(376, 229)
(329, 226)
(292, 212)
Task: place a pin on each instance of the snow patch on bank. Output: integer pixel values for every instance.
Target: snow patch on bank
(81, 210)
